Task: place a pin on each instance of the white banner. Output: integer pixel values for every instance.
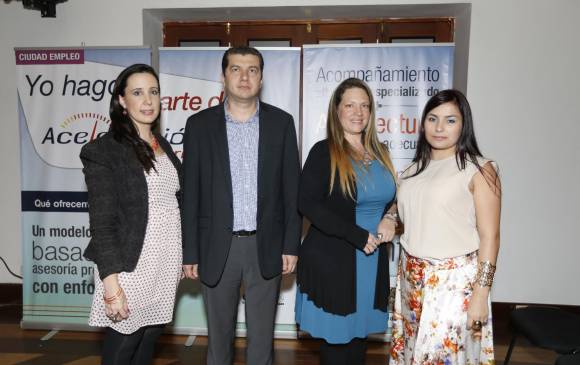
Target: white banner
(64, 97)
(402, 78)
(190, 82)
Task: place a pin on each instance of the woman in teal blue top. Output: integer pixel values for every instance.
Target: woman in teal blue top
(346, 192)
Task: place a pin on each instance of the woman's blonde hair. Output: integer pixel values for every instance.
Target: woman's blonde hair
(341, 152)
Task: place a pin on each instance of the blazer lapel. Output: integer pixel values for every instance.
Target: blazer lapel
(262, 148)
(221, 142)
(135, 168)
(133, 162)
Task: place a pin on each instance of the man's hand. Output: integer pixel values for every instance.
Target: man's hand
(190, 271)
(289, 264)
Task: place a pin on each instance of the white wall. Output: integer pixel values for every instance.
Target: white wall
(522, 83)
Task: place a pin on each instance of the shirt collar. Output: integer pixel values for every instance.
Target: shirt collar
(253, 119)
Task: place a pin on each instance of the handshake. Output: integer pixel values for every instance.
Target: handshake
(373, 243)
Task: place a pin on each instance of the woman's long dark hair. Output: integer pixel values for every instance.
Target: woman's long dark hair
(121, 124)
(466, 149)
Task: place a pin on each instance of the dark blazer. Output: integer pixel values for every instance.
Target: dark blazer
(327, 260)
(208, 203)
(118, 202)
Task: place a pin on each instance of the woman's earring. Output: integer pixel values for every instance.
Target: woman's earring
(124, 111)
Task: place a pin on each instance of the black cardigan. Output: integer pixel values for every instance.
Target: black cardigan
(118, 202)
(327, 258)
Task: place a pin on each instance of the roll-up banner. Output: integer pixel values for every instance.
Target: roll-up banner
(401, 77)
(63, 103)
(190, 82)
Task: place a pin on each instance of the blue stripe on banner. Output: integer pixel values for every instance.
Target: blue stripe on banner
(55, 201)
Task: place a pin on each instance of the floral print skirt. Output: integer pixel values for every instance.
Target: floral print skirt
(430, 315)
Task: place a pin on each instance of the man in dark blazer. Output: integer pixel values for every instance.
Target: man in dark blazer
(241, 225)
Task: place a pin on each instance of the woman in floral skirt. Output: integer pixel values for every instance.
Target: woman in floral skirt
(449, 201)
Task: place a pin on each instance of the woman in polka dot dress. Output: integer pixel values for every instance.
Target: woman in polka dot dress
(133, 181)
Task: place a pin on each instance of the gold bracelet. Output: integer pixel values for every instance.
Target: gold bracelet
(111, 299)
(485, 273)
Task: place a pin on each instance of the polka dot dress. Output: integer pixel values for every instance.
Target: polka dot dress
(151, 287)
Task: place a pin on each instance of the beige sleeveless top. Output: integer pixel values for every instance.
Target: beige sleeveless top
(437, 209)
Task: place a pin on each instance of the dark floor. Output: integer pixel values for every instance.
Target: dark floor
(25, 347)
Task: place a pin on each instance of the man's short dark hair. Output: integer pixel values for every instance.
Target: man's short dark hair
(241, 50)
